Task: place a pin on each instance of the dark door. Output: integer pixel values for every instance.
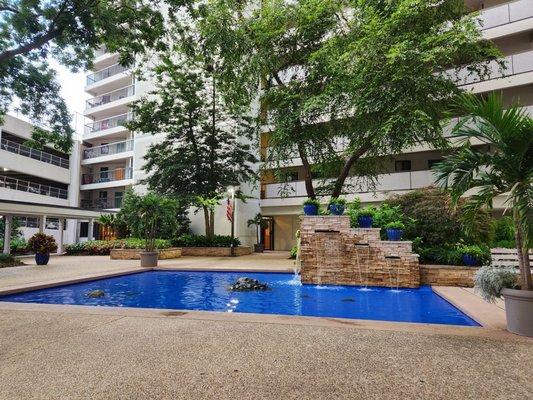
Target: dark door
(267, 233)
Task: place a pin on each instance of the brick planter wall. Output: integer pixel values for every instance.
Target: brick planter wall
(447, 275)
(333, 253)
(133, 254)
(214, 251)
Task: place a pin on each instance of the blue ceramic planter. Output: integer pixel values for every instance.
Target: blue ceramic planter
(365, 221)
(42, 259)
(336, 209)
(310, 209)
(394, 234)
(470, 260)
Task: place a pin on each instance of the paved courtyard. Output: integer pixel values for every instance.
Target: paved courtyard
(74, 352)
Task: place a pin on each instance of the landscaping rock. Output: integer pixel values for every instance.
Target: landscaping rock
(246, 284)
(96, 293)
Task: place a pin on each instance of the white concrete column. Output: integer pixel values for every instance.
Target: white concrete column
(8, 225)
(90, 232)
(61, 227)
(42, 224)
(78, 228)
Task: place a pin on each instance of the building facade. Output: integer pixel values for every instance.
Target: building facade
(112, 156)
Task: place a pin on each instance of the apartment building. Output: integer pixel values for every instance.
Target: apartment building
(112, 156)
(32, 178)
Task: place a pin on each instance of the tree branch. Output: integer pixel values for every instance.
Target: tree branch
(339, 183)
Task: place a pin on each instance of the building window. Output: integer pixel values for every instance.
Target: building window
(84, 229)
(402, 165)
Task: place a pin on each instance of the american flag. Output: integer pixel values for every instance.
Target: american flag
(229, 211)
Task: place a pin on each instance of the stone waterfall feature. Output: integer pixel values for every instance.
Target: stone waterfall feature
(333, 253)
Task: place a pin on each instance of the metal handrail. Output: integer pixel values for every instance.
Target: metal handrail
(32, 187)
(108, 149)
(107, 176)
(107, 123)
(101, 204)
(111, 96)
(36, 154)
(112, 70)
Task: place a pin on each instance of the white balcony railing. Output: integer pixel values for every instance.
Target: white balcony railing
(102, 204)
(386, 182)
(514, 64)
(118, 174)
(108, 149)
(107, 123)
(17, 148)
(506, 13)
(105, 73)
(100, 51)
(111, 96)
(32, 187)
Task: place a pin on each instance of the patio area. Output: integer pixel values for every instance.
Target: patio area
(59, 351)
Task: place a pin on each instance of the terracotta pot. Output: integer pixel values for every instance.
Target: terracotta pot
(149, 259)
(519, 311)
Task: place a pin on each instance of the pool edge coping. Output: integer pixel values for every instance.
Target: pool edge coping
(446, 292)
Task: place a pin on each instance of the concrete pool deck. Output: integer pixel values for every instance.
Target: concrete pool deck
(58, 351)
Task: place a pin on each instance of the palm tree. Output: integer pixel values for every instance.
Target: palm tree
(260, 223)
(505, 169)
(108, 222)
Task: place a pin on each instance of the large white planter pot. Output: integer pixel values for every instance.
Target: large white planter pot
(519, 311)
(149, 259)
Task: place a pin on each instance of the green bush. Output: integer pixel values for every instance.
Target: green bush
(103, 247)
(18, 245)
(337, 200)
(42, 243)
(313, 202)
(189, 240)
(440, 255)
(293, 253)
(8, 260)
(75, 248)
(481, 253)
(395, 225)
(504, 233)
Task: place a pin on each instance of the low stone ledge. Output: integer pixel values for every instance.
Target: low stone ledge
(134, 254)
(214, 251)
(447, 275)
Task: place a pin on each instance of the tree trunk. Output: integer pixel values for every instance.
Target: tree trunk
(523, 256)
(339, 183)
(308, 178)
(207, 221)
(211, 224)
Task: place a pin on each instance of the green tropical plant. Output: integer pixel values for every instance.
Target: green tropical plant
(108, 222)
(9, 260)
(367, 212)
(42, 243)
(311, 202)
(506, 169)
(148, 214)
(338, 201)
(260, 223)
(395, 225)
(481, 253)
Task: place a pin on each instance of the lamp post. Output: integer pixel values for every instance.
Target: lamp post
(231, 216)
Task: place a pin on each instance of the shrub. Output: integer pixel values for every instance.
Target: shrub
(18, 245)
(504, 233)
(337, 200)
(481, 253)
(440, 255)
(75, 248)
(41, 243)
(366, 212)
(489, 281)
(8, 260)
(103, 247)
(312, 202)
(395, 225)
(294, 252)
(189, 240)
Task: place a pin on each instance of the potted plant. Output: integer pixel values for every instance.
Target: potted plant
(506, 171)
(472, 255)
(42, 245)
(394, 230)
(146, 216)
(365, 217)
(311, 207)
(260, 223)
(336, 205)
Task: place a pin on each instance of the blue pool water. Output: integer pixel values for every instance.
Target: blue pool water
(208, 291)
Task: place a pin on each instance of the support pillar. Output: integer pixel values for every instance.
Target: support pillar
(90, 231)
(61, 228)
(42, 224)
(8, 227)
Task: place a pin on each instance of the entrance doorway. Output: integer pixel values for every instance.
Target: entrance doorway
(267, 233)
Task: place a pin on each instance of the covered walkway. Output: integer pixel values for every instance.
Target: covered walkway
(10, 209)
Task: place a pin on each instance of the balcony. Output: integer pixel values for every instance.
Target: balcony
(114, 103)
(107, 153)
(119, 174)
(506, 13)
(20, 149)
(105, 73)
(32, 187)
(96, 127)
(102, 204)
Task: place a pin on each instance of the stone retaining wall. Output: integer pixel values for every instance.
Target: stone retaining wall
(333, 253)
(133, 254)
(447, 275)
(214, 251)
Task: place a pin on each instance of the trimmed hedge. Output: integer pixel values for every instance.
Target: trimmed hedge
(103, 247)
(202, 241)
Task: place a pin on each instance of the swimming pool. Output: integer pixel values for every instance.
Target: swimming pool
(208, 291)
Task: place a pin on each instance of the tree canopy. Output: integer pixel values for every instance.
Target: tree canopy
(345, 82)
(34, 31)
